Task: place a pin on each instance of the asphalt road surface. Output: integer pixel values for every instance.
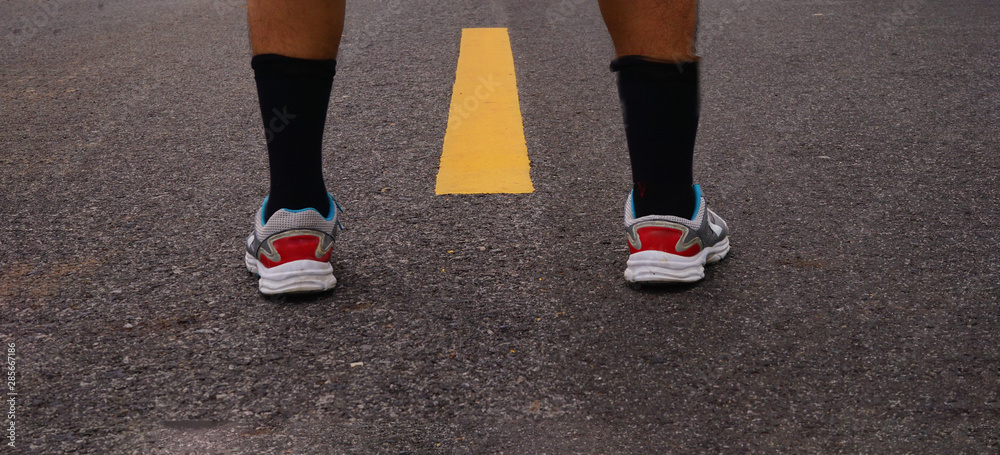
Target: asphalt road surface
(851, 145)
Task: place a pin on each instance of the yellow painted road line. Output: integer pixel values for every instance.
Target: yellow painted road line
(484, 147)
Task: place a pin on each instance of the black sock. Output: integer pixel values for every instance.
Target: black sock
(294, 96)
(660, 104)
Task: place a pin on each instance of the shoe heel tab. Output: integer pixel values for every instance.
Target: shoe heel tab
(335, 207)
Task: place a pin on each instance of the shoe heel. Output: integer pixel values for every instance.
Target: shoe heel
(654, 266)
(296, 277)
(659, 267)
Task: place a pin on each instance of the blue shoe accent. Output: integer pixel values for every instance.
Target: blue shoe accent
(631, 199)
(263, 210)
(334, 208)
(697, 201)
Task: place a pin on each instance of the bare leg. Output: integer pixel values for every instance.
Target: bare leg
(308, 29)
(656, 29)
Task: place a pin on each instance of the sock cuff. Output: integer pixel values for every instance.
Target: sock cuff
(651, 64)
(274, 65)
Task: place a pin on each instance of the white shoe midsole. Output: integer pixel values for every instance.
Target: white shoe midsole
(293, 277)
(662, 267)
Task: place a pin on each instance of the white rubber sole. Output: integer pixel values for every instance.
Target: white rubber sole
(658, 267)
(297, 277)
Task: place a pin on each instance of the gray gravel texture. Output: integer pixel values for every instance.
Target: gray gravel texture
(851, 145)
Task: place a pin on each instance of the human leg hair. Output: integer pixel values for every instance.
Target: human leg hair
(658, 29)
(307, 29)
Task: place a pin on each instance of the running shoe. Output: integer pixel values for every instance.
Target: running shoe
(291, 250)
(670, 249)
